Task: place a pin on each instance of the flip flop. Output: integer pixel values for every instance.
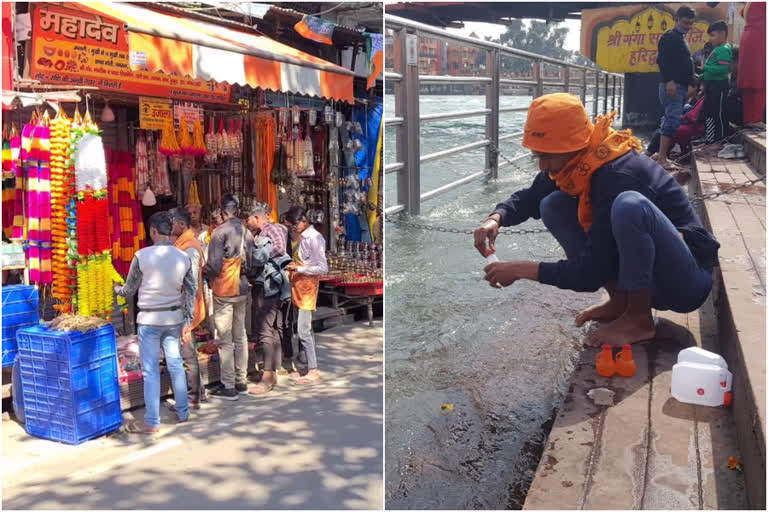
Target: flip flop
(136, 427)
(307, 381)
(195, 406)
(261, 389)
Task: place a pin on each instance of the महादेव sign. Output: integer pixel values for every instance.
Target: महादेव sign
(79, 48)
(629, 43)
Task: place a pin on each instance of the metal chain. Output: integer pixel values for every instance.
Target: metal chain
(498, 152)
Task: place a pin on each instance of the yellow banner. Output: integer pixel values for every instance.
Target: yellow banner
(153, 112)
(625, 39)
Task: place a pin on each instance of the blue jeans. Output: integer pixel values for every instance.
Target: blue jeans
(150, 339)
(652, 254)
(306, 337)
(673, 108)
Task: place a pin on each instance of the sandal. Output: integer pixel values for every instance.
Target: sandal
(307, 381)
(261, 389)
(137, 427)
(192, 405)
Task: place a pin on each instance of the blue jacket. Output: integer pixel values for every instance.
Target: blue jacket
(598, 263)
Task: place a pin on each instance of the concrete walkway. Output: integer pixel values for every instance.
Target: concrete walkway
(318, 447)
(649, 451)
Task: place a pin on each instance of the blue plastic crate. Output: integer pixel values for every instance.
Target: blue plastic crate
(19, 299)
(69, 383)
(19, 309)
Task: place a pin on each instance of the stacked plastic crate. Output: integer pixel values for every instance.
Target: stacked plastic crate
(20, 309)
(70, 383)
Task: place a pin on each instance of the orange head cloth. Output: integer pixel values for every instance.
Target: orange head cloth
(558, 123)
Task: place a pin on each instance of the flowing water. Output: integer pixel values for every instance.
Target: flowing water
(502, 358)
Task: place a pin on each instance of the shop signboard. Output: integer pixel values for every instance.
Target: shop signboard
(625, 39)
(153, 112)
(189, 112)
(77, 48)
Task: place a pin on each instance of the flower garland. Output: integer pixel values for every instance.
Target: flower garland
(39, 200)
(125, 215)
(63, 278)
(168, 143)
(90, 244)
(198, 145)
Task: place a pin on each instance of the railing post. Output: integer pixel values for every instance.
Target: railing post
(584, 87)
(621, 95)
(605, 96)
(400, 111)
(613, 96)
(596, 95)
(492, 119)
(412, 123)
(567, 79)
(539, 78)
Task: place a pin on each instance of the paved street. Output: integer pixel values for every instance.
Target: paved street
(318, 447)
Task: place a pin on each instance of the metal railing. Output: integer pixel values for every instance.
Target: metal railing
(407, 120)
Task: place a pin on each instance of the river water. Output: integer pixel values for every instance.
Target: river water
(501, 358)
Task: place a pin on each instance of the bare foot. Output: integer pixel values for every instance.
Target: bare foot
(682, 177)
(608, 311)
(625, 329)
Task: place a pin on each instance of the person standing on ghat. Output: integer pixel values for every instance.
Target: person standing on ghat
(677, 74)
(624, 223)
(163, 277)
(226, 270)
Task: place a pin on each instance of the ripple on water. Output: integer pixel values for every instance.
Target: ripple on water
(502, 357)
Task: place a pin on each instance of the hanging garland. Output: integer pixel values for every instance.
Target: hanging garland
(39, 201)
(61, 176)
(90, 249)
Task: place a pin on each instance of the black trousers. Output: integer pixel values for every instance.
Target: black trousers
(286, 333)
(714, 110)
(267, 323)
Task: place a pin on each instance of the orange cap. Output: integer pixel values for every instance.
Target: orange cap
(557, 123)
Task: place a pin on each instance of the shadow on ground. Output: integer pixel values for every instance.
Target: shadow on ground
(318, 447)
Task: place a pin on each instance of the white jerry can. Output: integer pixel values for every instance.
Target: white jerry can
(701, 378)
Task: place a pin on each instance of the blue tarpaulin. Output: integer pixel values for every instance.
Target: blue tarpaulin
(357, 225)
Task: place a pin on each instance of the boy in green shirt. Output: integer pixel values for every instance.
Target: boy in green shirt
(715, 79)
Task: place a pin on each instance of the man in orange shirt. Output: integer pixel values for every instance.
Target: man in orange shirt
(190, 245)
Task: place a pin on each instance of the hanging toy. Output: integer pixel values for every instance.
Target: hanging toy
(211, 143)
(222, 140)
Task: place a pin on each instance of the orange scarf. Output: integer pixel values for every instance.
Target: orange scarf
(185, 241)
(605, 145)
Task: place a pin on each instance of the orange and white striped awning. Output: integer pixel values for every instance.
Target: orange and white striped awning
(174, 44)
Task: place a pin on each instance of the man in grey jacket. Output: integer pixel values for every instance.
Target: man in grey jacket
(163, 277)
(225, 270)
(271, 288)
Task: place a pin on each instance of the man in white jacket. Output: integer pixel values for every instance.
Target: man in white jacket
(162, 275)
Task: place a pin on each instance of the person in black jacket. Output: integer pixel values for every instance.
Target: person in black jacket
(624, 222)
(676, 67)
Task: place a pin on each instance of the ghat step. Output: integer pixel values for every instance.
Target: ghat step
(738, 222)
